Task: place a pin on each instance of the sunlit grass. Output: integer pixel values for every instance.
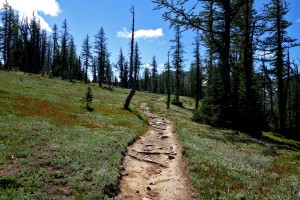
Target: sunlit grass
(224, 164)
(51, 147)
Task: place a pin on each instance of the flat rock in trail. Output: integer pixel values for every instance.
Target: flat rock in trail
(153, 166)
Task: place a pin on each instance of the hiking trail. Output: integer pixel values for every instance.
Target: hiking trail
(153, 167)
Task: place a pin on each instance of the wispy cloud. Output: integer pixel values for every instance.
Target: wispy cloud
(27, 7)
(142, 33)
(298, 20)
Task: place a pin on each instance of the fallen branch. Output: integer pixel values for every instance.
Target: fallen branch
(161, 181)
(155, 152)
(163, 129)
(146, 160)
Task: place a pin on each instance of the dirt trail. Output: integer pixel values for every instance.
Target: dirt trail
(153, 167)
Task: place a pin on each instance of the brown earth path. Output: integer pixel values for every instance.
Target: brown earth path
(153, 167)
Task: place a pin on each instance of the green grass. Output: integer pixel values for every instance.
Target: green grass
(280, 140)
(223, 164)
(51, 147)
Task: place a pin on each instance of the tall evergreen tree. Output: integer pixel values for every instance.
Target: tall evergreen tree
(108, 71)
(34, 46)
(199, 90)
(87, 56)
(24, 30)
(94, 70)
(154, 77)
(178, 61)
(126, 74)
(64, 50)
(72, 60)
(8, 21)
(168, 81)
(101, 50)
(55, 68)
(276, 11)
(146, 79)
(122, 66)
(43, 50)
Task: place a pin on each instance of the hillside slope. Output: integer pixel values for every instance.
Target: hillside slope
(52, 147)
(225, 164)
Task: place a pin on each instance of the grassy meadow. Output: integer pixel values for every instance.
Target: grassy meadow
(224, 164)
(51, 147)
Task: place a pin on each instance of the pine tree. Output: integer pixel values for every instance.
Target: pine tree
(72, 60)
(64, 50)
(43, 51)
(101, 50)
(87, 55)
(34, 51)
(6, 34)
(17, 45)
(199, 90)
(154, 77)
(94, 70)
(24, 31)
(89, 98)
(146, 79)
(178, 62)
(120, 67)
(168, 81)
(108, 70)
(126, 73)
(276, 11)
(48, 56)
(55, 68)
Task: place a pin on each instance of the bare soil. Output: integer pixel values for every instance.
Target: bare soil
(153, 167)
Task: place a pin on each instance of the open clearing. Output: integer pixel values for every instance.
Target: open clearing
(64, 152)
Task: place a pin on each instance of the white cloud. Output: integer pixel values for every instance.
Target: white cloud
(298, 20)
(148, 66)
(266, 54)
(124, 33)
(28, 7)
(142, 33)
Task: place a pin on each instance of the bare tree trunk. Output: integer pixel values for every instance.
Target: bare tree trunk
(133, 84)
(131, 49)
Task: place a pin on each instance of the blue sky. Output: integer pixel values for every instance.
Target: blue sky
(87, 16)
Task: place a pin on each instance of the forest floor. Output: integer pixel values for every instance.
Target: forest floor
(153, 167)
